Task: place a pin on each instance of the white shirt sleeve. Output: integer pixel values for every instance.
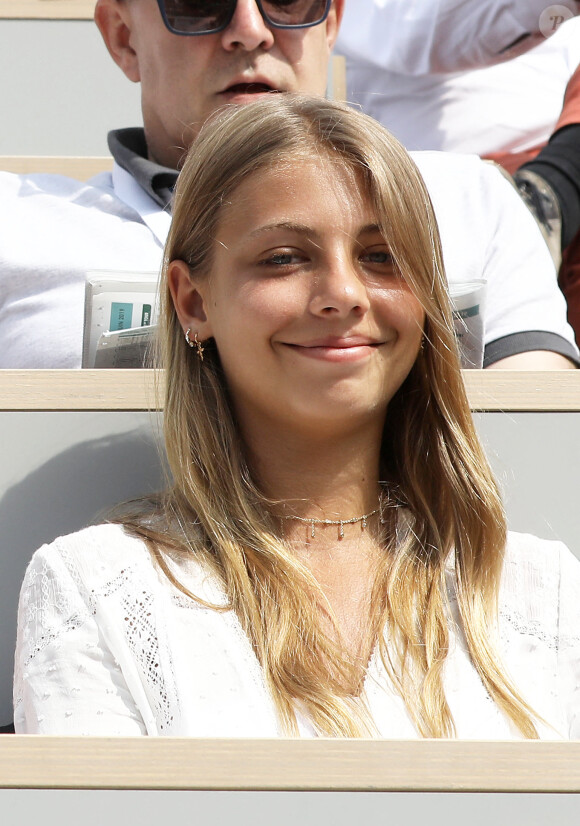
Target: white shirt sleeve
(417, 37)
(67, 680)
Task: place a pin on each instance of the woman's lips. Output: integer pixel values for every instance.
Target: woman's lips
(346, 351)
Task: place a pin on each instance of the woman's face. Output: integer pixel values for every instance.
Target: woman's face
(314, 326)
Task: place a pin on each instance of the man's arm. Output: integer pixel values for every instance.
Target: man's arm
(434, 36)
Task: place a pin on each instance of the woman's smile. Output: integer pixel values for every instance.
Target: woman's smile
(340, 350)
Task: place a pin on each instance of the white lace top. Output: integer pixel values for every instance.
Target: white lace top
(107, 646)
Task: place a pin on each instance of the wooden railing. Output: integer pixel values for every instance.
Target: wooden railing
(288, 765)
(488, 390)
(73, 166)
(47, 9)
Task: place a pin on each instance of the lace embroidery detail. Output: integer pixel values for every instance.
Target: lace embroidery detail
(73, 571)
(524, 626)
(181, 601)
(45, 640)
(109, 588)
(143, 641)
(136, 603)
(48, 596)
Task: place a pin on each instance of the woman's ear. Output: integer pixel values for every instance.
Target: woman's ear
(115, 23)
(188, 299)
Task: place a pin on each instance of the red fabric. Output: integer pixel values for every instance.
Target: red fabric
(571, 108)
(511, 161)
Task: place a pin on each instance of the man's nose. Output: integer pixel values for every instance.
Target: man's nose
(248, 29)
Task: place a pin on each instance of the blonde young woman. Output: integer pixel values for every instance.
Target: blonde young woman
(331, 557)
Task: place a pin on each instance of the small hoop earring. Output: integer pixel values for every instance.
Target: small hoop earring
(199, 346)
(195, 343)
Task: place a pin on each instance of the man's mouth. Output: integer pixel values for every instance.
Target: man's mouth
(249, 89)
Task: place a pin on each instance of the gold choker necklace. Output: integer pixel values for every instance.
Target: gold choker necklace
(340, 522)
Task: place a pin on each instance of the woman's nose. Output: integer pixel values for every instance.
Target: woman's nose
(339, 290)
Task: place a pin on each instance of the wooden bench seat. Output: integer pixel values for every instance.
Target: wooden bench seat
(47, 9)
(73, 166)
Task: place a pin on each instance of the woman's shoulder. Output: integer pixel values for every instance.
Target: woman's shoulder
(99, 547)
(104, 559)
(88, 562)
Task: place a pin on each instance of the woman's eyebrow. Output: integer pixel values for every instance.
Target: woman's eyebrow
(290, 226)
(303, 229)
(370, 229)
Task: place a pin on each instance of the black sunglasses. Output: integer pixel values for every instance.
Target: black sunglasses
(192, 17)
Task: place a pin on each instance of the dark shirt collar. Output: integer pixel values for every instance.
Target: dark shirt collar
(129, 149)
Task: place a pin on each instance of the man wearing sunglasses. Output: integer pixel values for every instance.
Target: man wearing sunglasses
(192, 57)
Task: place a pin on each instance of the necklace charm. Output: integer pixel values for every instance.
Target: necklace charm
(339, 522)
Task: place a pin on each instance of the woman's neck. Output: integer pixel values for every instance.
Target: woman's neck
(318, 478)
(313, 481)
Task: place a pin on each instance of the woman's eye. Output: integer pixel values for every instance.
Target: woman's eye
(377, 257)
(282, 258)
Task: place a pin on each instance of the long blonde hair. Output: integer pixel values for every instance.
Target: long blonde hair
(430, 452)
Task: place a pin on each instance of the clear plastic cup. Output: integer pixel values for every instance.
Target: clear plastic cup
(468, 304)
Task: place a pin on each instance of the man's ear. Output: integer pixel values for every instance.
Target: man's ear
(333, 21)
(188, 300)
(113, 18)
